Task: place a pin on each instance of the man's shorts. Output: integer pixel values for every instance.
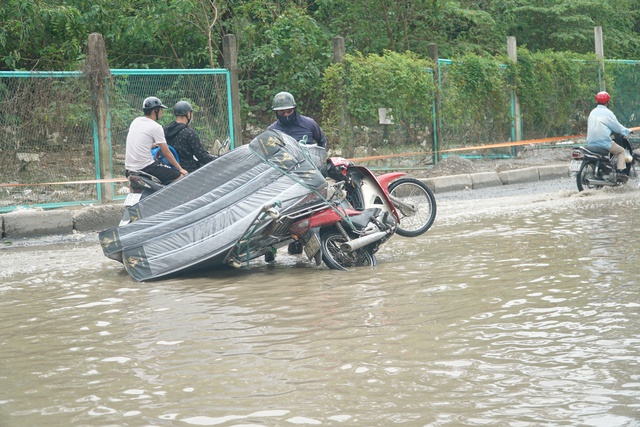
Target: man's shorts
(166, 174)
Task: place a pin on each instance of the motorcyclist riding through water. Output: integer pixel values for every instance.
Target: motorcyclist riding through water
(600, 124)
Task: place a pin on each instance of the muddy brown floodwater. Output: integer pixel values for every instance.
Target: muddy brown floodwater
(520, 307)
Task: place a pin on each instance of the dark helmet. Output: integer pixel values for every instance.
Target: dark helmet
(602, 97)
(151, 103)
(283, 101)
(182, 108)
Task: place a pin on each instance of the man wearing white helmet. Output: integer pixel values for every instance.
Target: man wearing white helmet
(297, 126)
(145, 133)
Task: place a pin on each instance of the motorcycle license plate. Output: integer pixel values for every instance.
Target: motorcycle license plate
(132, 199)
(574, 166)
(312, 246)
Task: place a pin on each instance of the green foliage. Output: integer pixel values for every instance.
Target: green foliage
(455, 26)
(623, 81)
(475, 100)
(567, 25)
(291, 54)
(286, 45)
(38, 34)
(402, 83)
(555, 91)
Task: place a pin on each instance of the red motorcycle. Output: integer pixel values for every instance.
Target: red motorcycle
(413, 199)
(344, 228)
(333, 210)
(360, 213)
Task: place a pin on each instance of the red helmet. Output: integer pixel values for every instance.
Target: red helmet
(602, 97)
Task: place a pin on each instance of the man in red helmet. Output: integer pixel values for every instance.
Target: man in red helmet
(600, 124)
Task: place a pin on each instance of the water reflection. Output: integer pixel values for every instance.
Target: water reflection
(520, 320)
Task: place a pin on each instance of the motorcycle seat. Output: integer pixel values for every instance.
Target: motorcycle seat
(143, 175)
(595, 150)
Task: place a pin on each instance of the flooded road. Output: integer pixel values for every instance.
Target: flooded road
(520, 307)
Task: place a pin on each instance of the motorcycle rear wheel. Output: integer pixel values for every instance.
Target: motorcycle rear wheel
(587, 171)
(337, 259)
(416, 205)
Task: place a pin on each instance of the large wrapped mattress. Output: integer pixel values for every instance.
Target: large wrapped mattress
(197, 220)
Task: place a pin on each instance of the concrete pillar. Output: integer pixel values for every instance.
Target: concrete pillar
(517, 119)
(600, 56)
(98, 72)
(230, 54)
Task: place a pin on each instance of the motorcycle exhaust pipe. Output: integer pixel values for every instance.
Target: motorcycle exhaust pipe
(354, 244)
(600, 182)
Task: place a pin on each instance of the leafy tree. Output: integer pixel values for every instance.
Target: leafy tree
(35, 34)
(567, 25)
(282, 49)
(411, 25)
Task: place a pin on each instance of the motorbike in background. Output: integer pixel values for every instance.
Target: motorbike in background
(595, 168)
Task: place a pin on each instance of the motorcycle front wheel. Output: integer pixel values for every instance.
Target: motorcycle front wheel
(587, 171)
(415, 204)
(337, 259)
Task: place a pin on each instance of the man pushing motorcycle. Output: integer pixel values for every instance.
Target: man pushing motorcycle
(289, 121)
(600, 124)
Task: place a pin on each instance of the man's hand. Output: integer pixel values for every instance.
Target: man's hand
(183, 172)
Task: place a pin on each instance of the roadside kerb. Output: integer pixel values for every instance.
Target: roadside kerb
(495, 179)
(518, 176)
(33, 223)
(485, 179)
(553, 172)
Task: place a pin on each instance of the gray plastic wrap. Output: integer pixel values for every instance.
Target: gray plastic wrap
(197, 220)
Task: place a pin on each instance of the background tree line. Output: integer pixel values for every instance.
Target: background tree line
(286, 44)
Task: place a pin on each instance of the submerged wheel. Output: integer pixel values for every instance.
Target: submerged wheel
(587, 171)
(337, 259)
(415, 204)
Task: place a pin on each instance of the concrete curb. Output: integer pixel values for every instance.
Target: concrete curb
(27, 223)
(495, 179)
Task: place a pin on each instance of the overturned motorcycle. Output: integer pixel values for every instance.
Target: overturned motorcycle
(247, 204)
(595, 168)
(344, 229)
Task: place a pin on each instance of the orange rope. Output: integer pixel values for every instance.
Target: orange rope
(477, 147)
(355, 159)
(89, 181)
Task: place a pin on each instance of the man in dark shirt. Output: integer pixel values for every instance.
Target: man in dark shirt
(185, 140)
(301, 128)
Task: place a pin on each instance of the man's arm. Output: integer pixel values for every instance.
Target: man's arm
(318, 135)
(158, 137)
(615, 126)
(197, 149)
(166, 152)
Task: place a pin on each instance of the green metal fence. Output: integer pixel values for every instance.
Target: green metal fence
(48, 130)
(466, 117)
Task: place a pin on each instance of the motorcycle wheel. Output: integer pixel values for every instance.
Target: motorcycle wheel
(415, 204)
(587, 171)
(337, 259)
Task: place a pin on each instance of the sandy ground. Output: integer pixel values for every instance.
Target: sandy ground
(527, 156)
